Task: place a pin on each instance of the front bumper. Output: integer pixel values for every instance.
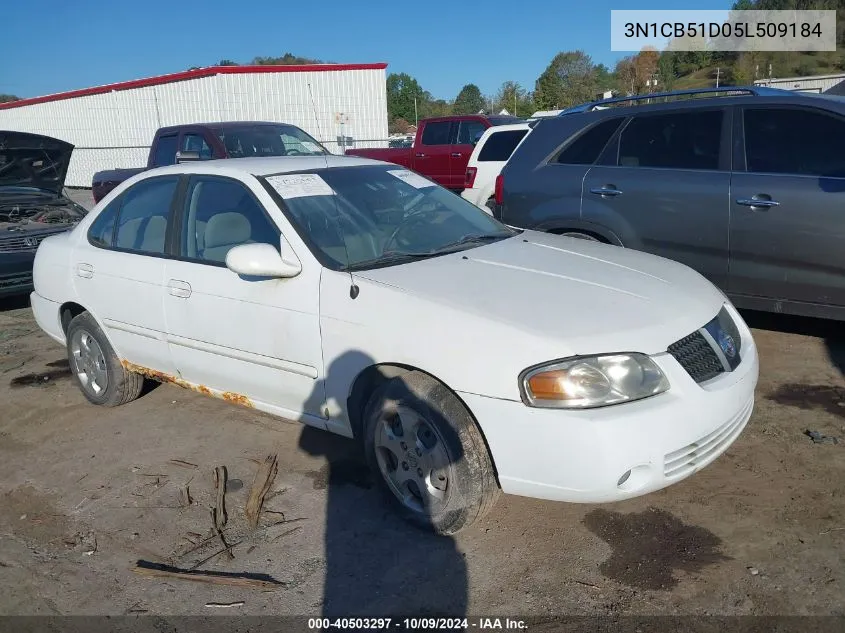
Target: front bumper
(622, 451)
(47, 316)
(16, 273)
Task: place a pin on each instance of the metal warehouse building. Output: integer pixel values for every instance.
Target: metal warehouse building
(112, 126)
(830, 84)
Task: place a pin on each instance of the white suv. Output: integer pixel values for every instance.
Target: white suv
(492, 151)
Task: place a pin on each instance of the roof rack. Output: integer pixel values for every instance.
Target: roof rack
(726, 91)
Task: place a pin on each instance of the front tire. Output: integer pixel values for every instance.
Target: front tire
(96, 368)
(434, 465)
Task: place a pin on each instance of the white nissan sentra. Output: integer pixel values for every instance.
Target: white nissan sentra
(360, 298)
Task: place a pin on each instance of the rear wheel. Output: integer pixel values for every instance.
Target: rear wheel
(95, 366)
(433, 462)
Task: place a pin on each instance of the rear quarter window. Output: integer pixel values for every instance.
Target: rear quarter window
(500, 145)
(588, 146)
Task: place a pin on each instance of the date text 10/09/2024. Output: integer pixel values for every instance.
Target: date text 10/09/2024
(417, 624)
(723, 29)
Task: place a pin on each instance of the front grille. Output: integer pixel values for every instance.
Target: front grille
(11, 282)
(697, 357)
(20, 243)
(686, 460)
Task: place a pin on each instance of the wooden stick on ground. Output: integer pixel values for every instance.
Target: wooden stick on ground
(215, 521)
(244, 579)
(220, 478)
(264, 477)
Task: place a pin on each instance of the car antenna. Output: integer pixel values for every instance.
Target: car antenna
(353, 288)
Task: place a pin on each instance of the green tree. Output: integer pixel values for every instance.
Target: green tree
(568, 80)
(288, 59)
(402, 89)
(6, 98)
(469, 100)
(514, 98)
(227, 62)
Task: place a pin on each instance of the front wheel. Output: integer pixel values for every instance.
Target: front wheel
(433, 462)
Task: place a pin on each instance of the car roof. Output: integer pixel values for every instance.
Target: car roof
(505, 128)
(223, 124)
(265, 166)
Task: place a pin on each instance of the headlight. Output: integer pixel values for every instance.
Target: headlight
(592, 381)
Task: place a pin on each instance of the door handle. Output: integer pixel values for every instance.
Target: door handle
(84, 270)
(418, 155)
(456, 154)
(759, 203)
(179, 288)
(607, 190)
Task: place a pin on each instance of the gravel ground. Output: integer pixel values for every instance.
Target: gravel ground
(86, 492)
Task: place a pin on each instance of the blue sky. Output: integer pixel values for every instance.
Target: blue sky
(444, 44)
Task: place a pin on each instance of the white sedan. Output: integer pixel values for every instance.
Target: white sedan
(360, 298)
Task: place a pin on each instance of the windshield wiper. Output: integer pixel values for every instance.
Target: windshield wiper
(468, 239)
(391, 257)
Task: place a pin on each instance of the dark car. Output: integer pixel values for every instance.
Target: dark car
(747, 186)
(206, 141)
(32, 204)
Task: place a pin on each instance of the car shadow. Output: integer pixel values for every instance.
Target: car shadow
(14, 302)
(831, 332)
(376, 562)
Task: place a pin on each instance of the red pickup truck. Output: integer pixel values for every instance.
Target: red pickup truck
(442, 147)
(206, 141)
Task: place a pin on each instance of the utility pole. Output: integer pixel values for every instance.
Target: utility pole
(718, 71)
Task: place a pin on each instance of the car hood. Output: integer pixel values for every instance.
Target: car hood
(32, 160)
(566, 296)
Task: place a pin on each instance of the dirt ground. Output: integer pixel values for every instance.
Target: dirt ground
(86, 492)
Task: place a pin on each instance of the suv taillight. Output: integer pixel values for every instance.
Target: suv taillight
(470, 177)
(499, 188)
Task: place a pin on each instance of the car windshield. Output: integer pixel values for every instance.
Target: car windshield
(361, 217)
(269, 140)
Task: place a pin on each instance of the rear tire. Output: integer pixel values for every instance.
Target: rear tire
(434, 465)
(96, 368)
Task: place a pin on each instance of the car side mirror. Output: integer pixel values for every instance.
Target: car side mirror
(261, 260)
(187, 157)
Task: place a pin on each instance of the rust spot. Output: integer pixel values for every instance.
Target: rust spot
(160, 376)
(236, 398)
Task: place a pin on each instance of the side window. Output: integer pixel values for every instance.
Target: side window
(142, 221)
(436, 133)
(685, 140)
(586, 148)
(469, 131)
(500, 145)
(196, 143)
(219, 215)
(786, 141)
(101, 231)
(165, 151)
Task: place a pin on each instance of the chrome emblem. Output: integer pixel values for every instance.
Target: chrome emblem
(726, 342)
(31, 241)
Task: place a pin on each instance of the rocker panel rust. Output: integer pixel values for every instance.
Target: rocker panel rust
(152, 374)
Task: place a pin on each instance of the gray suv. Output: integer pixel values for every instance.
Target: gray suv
(746, 186)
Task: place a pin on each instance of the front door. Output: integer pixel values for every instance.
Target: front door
(252, 338)
(788, 197)
(668, 188)
(119, 274)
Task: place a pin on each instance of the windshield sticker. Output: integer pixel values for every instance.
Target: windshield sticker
(300, 185)
(409, 177)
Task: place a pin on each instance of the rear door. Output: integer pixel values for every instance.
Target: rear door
(119, 273)
(665, 189)
(788, 204)
(468, 133)
(431, 158)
